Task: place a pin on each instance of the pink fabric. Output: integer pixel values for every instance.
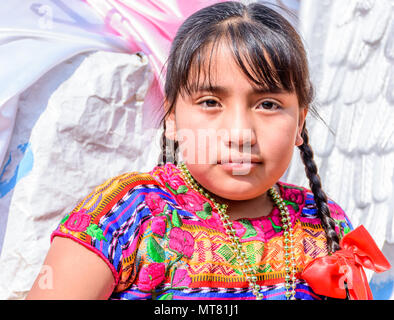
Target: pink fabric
(155, 203)
(151, 276)
(181, 241)
(148, 26)
(159, 226)
(181, 278)
(78, 221)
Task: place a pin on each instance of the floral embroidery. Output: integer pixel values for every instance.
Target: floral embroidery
(78, 221)
(206, 213)
(271, 224)
(181, 241)
(250, 231)
(293, 194)
(173, 179)
(139, 229)
(95, 232)
(155, 251)
(176, 220)
(159, 225)
(64, 219)
(181, 189)
(181, 278)
(190, 201)
(274, 226)
(167, 296)
(214, 222)
(151, 276)
(155, 203)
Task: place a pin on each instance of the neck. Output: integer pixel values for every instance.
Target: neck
(238, 209)
(251, 208)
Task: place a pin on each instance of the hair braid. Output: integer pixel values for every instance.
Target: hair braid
(320, 197)
(168, 150)
(163, 147)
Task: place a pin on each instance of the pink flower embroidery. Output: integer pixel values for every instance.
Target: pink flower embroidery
(170, 174)
(191, 201)
(293, 195)
(78, 221)
(151, 276)
(215, 223)
(159, 226)
(175, 182)
(181, 278)
(155, 203)
(276, 219)
(181, 241)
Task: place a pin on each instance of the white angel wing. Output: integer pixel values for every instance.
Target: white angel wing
(351, 51)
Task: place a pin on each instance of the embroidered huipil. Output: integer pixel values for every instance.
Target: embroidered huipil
(163, 240)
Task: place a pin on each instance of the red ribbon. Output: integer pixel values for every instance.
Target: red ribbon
(327, 275)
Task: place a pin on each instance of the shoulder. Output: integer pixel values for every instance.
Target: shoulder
(111, 194)
(308, 208)
(110, 211)
(117, 196)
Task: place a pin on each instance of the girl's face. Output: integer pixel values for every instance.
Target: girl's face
(231, 120)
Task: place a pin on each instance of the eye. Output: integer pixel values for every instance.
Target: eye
(207, 104)
(269, 105)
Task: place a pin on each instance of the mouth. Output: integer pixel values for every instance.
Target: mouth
(240, 161)
(239, 168)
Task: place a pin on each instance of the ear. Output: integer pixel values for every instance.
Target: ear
(170, 132)
(301, 122)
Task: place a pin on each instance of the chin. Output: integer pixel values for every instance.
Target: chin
(239, 192)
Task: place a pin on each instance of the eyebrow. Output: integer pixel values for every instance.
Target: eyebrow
(224, 90)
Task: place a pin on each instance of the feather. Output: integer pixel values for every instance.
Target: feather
(339, 44)
(354, 85)
(324, 142)
(331, 85)
(383, 134)
(376, 22)
(390, 86)
(359, 51)
(376, 71)
(389, 47)
(362, 190)
(382, 187)
(347, 115)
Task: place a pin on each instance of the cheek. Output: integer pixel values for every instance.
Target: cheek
(277, 141)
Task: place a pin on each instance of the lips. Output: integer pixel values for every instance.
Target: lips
(240, 160)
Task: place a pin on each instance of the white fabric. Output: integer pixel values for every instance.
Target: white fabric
(80, 124)
(35, 37)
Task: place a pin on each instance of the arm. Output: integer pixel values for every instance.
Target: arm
(71, 271)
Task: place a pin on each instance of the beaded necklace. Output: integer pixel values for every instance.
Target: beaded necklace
(288, 239)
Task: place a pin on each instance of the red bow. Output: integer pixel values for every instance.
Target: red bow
(327, 275)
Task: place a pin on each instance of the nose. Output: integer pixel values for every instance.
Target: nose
(240, 128)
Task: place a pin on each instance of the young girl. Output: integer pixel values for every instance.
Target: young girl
(216, 229)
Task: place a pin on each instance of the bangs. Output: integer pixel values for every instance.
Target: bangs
(261, 55)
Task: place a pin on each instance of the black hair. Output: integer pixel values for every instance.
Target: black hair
(271, 54)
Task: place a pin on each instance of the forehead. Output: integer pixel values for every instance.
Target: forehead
(213, 63)
(221, 62)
